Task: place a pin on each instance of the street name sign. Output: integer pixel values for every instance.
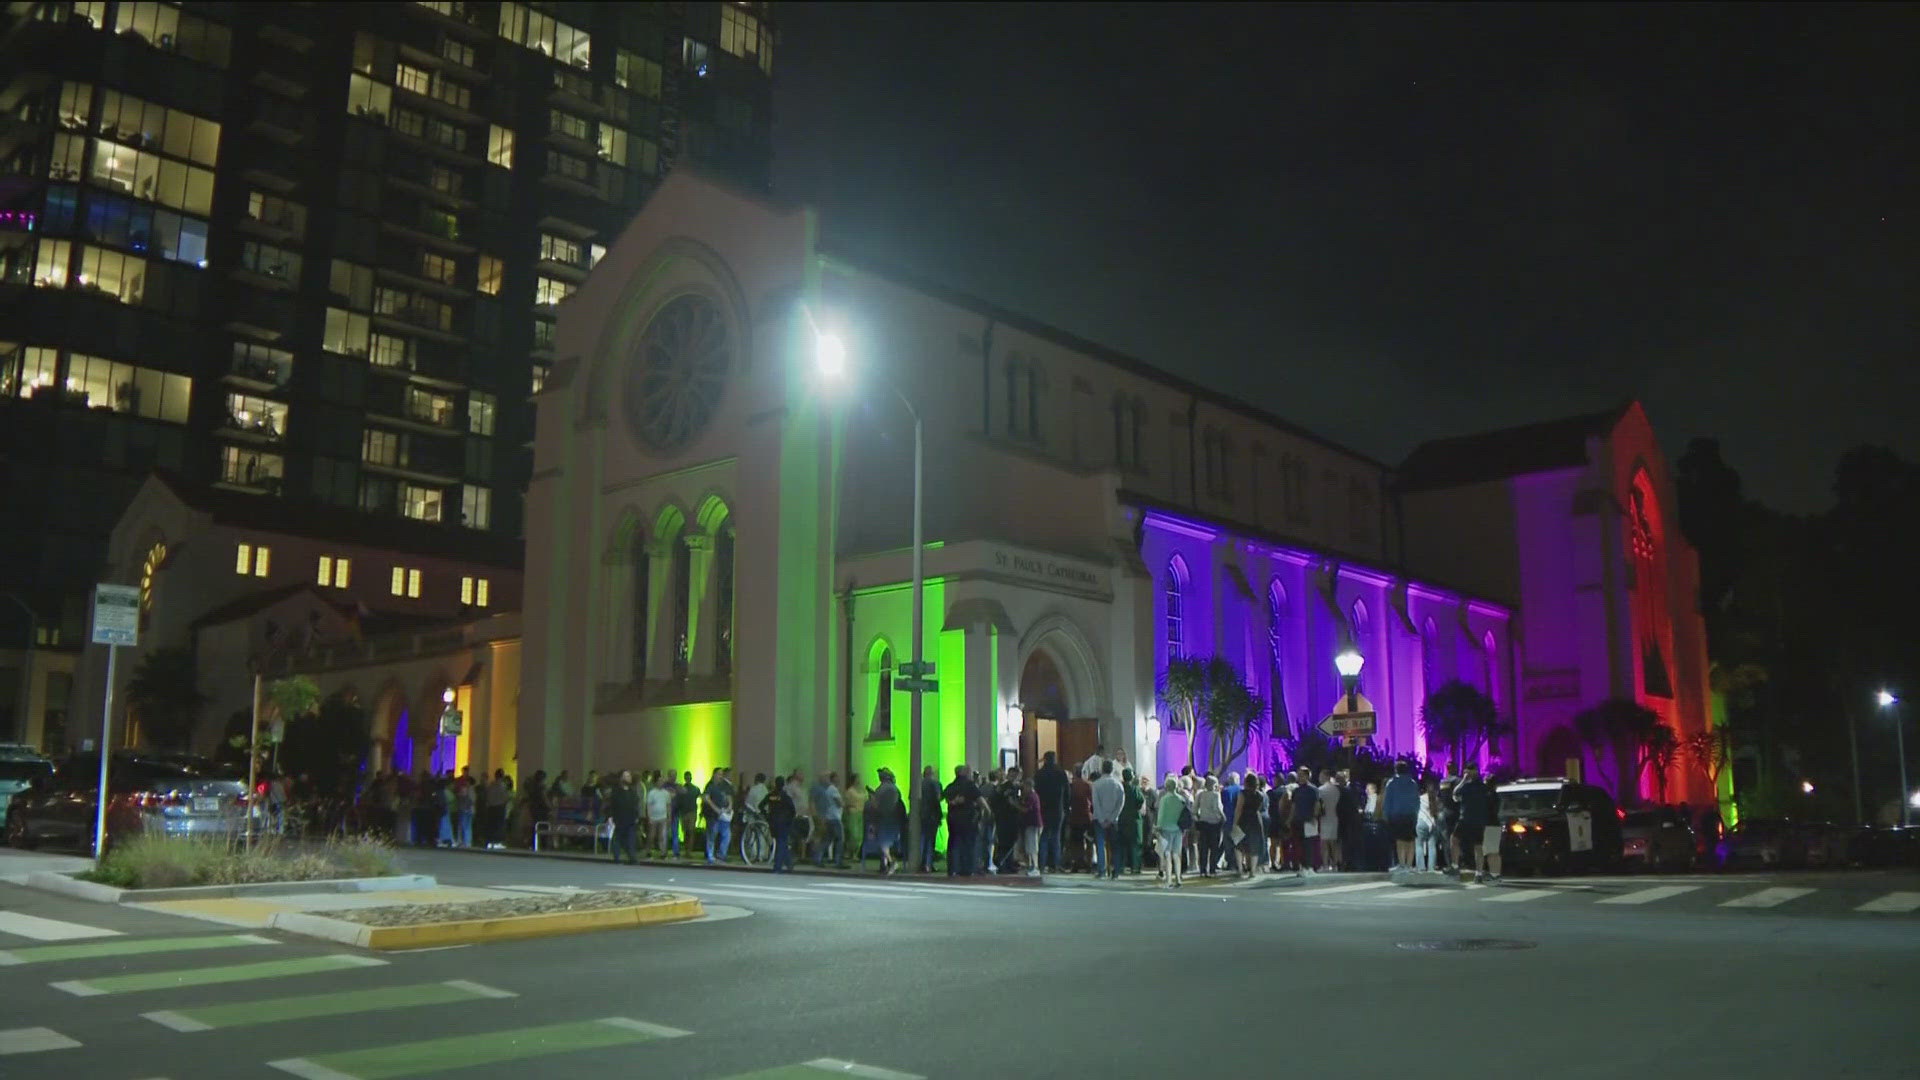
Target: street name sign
(116, 615)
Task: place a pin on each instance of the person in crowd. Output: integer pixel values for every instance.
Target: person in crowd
(1170, 825)
(883, 810)
(1052, 785)
(853, 806)
(1209, 816)
(757, 794)
(928, 801)
(659, 811)
(1328, 803)
(829, 809)
(1032, 822)
(1350, 802)
(623, 807)
(1108, 799)
(1080, 823)
(1252, 841)
(686, 809)
(1449, 818)
(562, 787)
(462, 810)
(962, 797)
(1279, 814)
(1475, 806)
(1400, 803)
(1305, 823)
(1426, 828)
(499, 798)
(717, 801)
(1090, 768)
(781, 812)
(1128, 827)
(1229, 795)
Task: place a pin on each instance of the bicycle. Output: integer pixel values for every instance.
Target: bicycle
(756, 839)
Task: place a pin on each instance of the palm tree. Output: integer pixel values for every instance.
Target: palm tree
(1655, 753)
(1611, 728)
(1709, 751)
(164, 693)
(1461, 718)
(1234, 714)
(1183, 689)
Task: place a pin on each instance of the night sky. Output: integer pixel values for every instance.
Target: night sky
(1396, 223)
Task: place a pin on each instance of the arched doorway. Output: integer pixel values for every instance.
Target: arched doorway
(1058, 694)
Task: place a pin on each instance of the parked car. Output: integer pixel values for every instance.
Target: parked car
(159, 793)
(19, 764)
(1761, 844)
(1887, 847)
(1656, 839)
(1537, 818)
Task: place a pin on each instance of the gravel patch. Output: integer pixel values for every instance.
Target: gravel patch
(507, 906)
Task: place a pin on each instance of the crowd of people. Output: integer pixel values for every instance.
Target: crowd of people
(1098, 817)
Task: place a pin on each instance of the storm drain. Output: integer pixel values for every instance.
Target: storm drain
(1471, 944)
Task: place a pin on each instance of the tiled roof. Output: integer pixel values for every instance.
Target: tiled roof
(1497, 455)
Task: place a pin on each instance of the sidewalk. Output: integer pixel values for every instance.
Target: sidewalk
(802, 868)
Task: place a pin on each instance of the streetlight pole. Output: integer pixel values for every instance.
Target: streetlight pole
(1892, 705)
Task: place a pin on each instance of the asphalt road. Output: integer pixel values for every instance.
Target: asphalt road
(1702, 976)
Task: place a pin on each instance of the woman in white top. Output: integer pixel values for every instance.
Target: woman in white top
(1330, 822)
(1426, 829)
(659, 800)
(1209, 815)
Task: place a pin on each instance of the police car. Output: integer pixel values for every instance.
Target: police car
(1555, 825)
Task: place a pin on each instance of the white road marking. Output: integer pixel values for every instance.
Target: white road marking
(1413, 893)
(76, 988)
(848, 1068)
(658, 1031)
(1767, 898)
(1330, 890)
(479, 989)
(1648, 896)
(33, 1041)
(1517, 896)
(308, 1070)
(39, 929)
(1894, 903)
(169, 1019)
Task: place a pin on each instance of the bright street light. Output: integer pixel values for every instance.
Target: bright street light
(1806, 787)
(1348, 664)
(1886, 699)
(829, 354)
(1914, 800)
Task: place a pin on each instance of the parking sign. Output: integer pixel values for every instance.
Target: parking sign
(116, 615)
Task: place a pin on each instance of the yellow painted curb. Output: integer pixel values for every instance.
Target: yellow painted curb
(512, 927)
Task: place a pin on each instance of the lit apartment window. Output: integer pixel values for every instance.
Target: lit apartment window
(548, 290)
(473, 591)
(421, 503)
(398, 586)
(476, 506)
(636, 73)
(492, 270)
(334, 572)
(368, 98)
(500, 146)
(480, 410)
(252, 560)
(408, 77)
(413, 584)
(559, 249)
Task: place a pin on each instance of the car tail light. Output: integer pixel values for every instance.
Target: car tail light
(1517, 827)
(1619, 813)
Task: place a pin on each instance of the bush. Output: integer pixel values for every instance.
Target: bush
(163, 862)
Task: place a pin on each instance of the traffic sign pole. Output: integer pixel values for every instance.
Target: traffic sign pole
(106, 755)
(116, 622)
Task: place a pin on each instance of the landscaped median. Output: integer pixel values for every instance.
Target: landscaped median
(303, 891)
(426, 926)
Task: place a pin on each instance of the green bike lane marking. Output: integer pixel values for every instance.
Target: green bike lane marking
(311, 1006)
(168, 980)
(467, 1051)
(40, 954)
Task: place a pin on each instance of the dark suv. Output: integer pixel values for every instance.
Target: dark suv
(172, 794)
(1537, 819)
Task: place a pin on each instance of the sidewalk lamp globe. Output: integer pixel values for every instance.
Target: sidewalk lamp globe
(1348, 664)
(1886, 699)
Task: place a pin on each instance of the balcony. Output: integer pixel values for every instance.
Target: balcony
(262, 429)
(252, 373)
(574, 90)
(439, 232)
(417, 178)
(272, 121)
(413, 466)
(467, 19)
(596, 184)
(427, 417)
(284, 227)
(446, 290)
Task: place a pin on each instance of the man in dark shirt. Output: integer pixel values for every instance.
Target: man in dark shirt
(1475, 803)
(1352, 836)
(1306, 809)
(927, 801)
(1051, 784)
(963, 837)
(623, 806)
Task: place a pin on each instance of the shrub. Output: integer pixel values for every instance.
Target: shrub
(160, 862)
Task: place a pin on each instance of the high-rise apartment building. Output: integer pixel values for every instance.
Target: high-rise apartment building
(313, 251)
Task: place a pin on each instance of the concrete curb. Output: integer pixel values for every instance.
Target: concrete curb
(481, 931)
(68, 885)
(738, 867)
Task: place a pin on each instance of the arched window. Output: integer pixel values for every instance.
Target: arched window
(1429, 658)
(1276, 659)
(149, 568)
(1490, 666)
(882, 725)
(682, 601)
(642, 595)
(723, 607)
(1175, 584)
(1649, 590)
(1360, 624)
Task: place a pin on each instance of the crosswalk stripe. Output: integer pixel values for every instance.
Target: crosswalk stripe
(312, 1006)
(33, 1041)
(38, 954)
(1330, 890)
(1766, 898)
(1894, 903)
(467, 1051)
(39, 929)
(1517, 896)
(167, 980)
(1413, 893)
(1648, 896)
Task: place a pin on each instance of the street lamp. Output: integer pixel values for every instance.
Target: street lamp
(1348, 664)
(1891, 704)
(830, 360)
